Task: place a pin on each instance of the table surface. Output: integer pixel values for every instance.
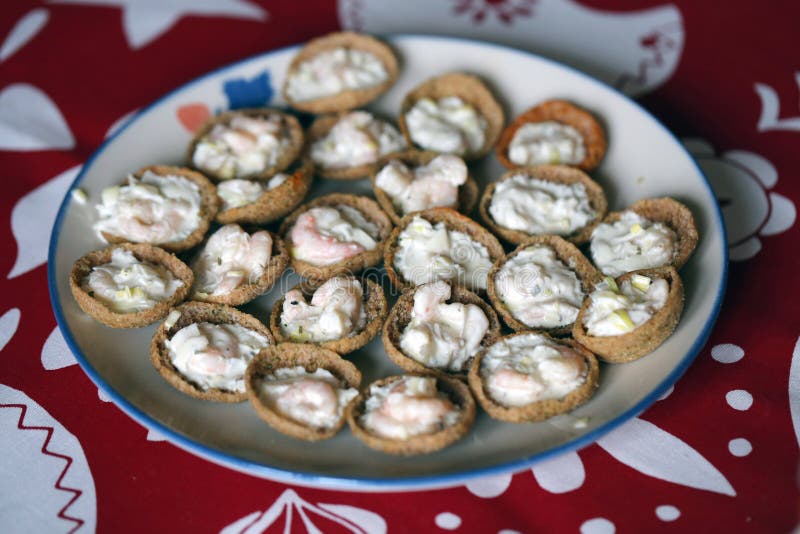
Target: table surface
(718, 453)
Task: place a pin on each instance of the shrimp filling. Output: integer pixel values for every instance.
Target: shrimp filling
(327, 234)
(632, 243)
(530, 368)
(129, 285)
(356, 139)
(335, 71)
(427, 252)
(150, 209)
(214, 356)
(538, 289)
(237, 193)
(315, 399)
(230, 258)
(539, 143)
(428, 186)
(408, 407)
(244, 146)
(440, 335)
(447, 125)
(615, 310)
(336, 311)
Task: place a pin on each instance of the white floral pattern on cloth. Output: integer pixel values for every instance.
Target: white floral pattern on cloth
(29, 120)
(23, 31)
(8, 326)
(770, 119)
(794, 390)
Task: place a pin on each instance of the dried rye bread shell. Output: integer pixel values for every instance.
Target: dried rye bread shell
(452, 220)
(539, 410)
(369, 258)
(209, 204)
(568, 254)
(594, 138)
(292, 125)
(646, 337)
(375, 309)
(310, 358)
(467, 192)
(551, 173)
(400, 316)
(278, 261)
(143, 252)
(273, 204)
(199, 312)
(352, 98)
(458, 393)
(468, 88)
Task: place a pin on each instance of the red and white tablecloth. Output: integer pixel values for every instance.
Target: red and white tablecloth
(719, 453)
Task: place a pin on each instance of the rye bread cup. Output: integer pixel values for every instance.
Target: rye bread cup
(199, 312)
(209, 204)
(310, 358)
(646, 337)
(594, 138)
(143, 252)
(292, 129)
(568, 254)
(469, 89)
(368, 258)
(375, 309)
(350, 98)
(559, 174)
(457, 392)
(400, 317)
(539, 410)
(467, 192)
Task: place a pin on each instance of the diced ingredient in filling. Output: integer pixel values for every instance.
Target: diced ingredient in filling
(128, 285)
(538, 289)
(336, 311)
(530, 368)
(615, 310)
(335, 71)
(328, 234)
(237, 193)
(447, 125)
(536, 206)
(427, 186)
(408, 407)
(428, 252)
(440, 335)
(539, 143)
(242, 147)
(230, 258)
(214, 356)
(315, 399)
(356, 139)
(632, 243)
(151, 209)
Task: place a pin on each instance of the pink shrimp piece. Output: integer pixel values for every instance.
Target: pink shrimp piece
(312, 246)
(309, 397)
(515, 383)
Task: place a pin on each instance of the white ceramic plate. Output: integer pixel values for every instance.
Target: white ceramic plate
(644, 160)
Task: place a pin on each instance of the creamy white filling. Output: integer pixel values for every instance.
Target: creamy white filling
(315, 399)
(427, 252)
(230, 258)
(214, 355)
(334, 71)
(536, 206)
(440, 335)
(237, 192)
(128, 285)
(408, 407)
(327, 234)
(427, 186)
(447, 125)
(151, 209)
(539, 289)
(529, 368)
(614, 310)
(336, 311)
(539, 143)
(357, 138)
(632, 243)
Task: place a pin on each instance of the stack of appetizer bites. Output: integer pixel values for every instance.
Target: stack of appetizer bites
(455, 280)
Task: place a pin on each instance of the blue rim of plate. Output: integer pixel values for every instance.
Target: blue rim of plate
(411, 483)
